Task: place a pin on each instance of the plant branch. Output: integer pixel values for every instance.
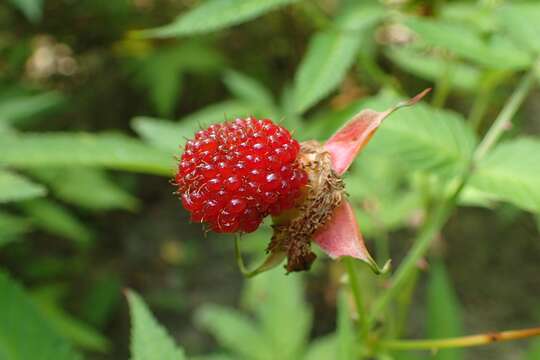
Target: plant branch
(439, 217)
(504, 118)
(459, 342)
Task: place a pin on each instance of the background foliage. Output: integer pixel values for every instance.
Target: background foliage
(96, 96)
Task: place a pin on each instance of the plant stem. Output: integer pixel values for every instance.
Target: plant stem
(442, 88)
(483, 98)
(464, 341)
(357, 295)
(426, 235)
(504, 118)
(441, 214)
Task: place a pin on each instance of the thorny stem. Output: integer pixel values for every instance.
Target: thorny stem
(464, 341)
(441, 214)
(357, 295)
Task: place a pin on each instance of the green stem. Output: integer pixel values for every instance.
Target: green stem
(483, 98)
(426, 235)
(459, 342)
(357, 295)
(436, 221)
(442, 88)
(504, 118)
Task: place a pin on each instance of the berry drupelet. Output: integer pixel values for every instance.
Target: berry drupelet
(234, 174)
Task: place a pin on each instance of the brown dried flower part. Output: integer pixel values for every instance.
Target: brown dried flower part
(294, 229)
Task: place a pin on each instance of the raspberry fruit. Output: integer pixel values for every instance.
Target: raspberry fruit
(232, 175)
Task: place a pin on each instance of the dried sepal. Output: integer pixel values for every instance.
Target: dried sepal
(341, 237)
(347, 142)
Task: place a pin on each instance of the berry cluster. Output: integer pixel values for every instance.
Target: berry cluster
(234, 174)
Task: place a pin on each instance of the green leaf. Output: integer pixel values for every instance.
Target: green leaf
(444, 311)
(162, 72)
(345, 334)
(322, 348)
(168, 135)
(249, 90)
(234, 331)
(149, 340)
(284, 316)
(522, 22)
(32, 9)
(423, 138)
(24, 332)
(14, 110)
(102, 299)
(432, 68)
(68, 149)
(214, 15)
(511, 172)
(68, 326)
(90, 188)
(330, 54)
(56, 220)
(468, 44)
(480, 15)
(534, 351)
(14, 187)
(12, 227)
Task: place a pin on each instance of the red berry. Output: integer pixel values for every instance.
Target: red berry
(232, 175)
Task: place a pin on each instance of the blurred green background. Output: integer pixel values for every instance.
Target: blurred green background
(92, 114)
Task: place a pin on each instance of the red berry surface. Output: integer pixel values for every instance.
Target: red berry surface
(232, 175)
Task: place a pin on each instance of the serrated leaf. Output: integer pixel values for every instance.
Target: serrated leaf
(90, 188)
(14, 110)
(24, 332)
(330, 54)
(113, 151)
(55, 219)
(214, 15)
(511, 172)
(522, 22)
(14, 187)
(283, 315)
(249, 90)
(444, 312)
(12, 227)
(432, 68)
(149, 340)
(32, 9)
(234, 331)
(169, 135)
(468, 44)
(423, 138)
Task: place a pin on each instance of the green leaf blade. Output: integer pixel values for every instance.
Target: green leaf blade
(69, 149)
(444, 311)
(20, 320)
(149, 340)
(511, 172)
(14, 187)
(215, 15)
(329, 56)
